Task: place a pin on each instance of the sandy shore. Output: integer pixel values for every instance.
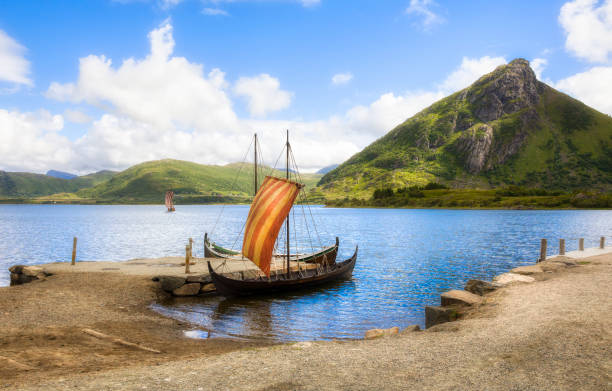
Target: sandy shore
(551, 334)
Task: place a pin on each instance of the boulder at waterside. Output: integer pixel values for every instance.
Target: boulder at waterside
(480, 287)
(459, 297)
(170, 283)
(202, 278)
(509, 278)
(376, 333)
(527, 270)
(437, 315)
(21, 274)
(190, 289)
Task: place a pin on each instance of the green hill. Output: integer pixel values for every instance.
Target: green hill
(191, 182)
(506, 129)
(28, 185)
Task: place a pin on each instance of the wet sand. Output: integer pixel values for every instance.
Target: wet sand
(42, 323)
(550, 334)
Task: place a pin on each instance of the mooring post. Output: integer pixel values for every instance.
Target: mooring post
(602, 242)
(542, 250)
(561, 246)
(74, 241)
(187, 260)
(581, 244)
(190, 247)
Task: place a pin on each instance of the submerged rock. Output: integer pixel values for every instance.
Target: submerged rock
(190, 289)
(480, 287)
(437, 315)
(508, 278)
(459, 297)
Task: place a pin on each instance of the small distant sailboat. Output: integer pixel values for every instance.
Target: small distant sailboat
(270, 208)
(170, 201)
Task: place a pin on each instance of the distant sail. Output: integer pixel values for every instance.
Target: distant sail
(170, 200)
(269, 209)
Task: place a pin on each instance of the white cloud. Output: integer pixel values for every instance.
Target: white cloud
(263, 94)
(167, 4)
(160, 90)
(538, 65)
(310, 3)
(469, 71)
(14, 68)
(422, 8)
(214, 12)
(588, 27)
(304, 3)
(30, 141)
(77, 116)
(593, 87)
(342, 78)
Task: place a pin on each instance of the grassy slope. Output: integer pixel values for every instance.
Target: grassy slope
(21, 184)
(570, 146)
(191, 182)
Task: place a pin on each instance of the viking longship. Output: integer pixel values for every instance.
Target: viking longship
(271, 207)
(170, 201)
(323, 255)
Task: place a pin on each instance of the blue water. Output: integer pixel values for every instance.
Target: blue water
(406, 257)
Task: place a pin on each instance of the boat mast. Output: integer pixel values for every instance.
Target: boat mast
(288, 249)
(255, 193)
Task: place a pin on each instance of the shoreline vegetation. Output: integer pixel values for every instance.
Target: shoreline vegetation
(431, 196)
(103, 335)
(434, 195)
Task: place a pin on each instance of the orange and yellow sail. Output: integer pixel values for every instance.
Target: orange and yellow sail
(269, 209)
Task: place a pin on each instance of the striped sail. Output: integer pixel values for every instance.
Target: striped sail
(269, 209)
(169, 198)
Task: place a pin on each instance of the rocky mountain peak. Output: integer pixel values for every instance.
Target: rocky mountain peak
(506, 90)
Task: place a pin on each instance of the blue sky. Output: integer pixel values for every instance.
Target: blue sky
(339, 74)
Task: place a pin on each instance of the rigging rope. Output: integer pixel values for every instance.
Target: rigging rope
(307, 205)
(233, 184)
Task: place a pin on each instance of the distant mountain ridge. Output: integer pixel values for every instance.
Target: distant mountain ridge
(507, 128)
(145, 182)
(327, 169)
(61, 174)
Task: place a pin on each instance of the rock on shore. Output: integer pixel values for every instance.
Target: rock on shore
(22, 274)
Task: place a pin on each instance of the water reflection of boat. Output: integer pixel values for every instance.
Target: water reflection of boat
(270, 208)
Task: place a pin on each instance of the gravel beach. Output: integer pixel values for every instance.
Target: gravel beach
(550, 334)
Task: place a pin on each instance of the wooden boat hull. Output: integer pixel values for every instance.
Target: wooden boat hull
(326, 256)
(231, 287)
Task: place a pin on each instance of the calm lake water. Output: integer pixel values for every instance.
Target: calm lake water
(406, 257)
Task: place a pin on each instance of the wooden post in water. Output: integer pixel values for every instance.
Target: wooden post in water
(581, 244)
(187, 260)
(561, 246)
(74, 242)
(542, 250)
(190, 247)
(602, 242)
